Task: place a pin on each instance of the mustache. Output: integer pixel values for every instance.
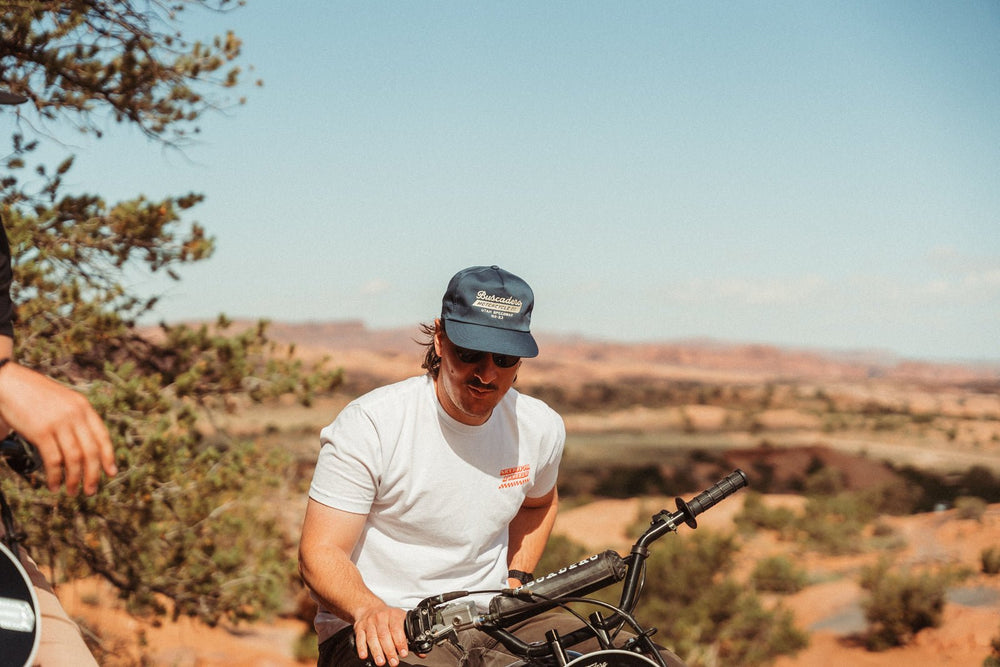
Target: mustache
(481, 385)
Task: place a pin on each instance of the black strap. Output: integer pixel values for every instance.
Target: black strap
(520, 575)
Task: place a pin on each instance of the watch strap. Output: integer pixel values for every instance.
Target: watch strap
(520, 575)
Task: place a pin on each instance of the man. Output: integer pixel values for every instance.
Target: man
(73, 443)
(437, 483)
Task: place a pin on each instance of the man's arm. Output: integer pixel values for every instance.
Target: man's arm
(529, 532)
(60, 422)
(328, 538)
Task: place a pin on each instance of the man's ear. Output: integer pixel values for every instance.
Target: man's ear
(438, 336)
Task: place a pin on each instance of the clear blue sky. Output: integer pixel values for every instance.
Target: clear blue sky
(812, 174)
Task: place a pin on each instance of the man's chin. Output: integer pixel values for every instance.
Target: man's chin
(479, 406)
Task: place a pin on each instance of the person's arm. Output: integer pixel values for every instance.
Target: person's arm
(529, 532)
(60, 422)
(328, 538)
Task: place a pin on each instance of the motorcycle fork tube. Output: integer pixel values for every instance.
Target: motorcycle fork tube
(558, 652)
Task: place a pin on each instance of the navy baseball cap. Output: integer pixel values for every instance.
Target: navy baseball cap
(486, 308)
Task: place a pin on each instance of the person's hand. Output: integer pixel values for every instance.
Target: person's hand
(379, 633)
(71, 438)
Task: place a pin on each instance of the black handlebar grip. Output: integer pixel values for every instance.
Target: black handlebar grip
(584, 577)
(21, 455)
(708, 498)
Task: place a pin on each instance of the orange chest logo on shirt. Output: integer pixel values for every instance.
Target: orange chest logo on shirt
(518, 476)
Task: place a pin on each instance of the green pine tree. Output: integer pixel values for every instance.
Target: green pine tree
(182, 528)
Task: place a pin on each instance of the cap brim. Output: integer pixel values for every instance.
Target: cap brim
(11, 98)
(491, 339)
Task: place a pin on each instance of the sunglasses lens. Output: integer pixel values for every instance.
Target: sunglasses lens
(467, 356)
(505, 360)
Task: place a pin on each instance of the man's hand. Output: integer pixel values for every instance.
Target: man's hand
(379, 633)
(71, 438)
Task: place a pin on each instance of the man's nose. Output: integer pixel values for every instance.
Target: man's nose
(486, 369)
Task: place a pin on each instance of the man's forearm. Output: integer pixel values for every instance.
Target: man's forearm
(337, 583)
(529, 532)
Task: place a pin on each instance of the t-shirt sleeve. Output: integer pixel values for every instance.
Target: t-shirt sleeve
(346, 475)
(548, 466)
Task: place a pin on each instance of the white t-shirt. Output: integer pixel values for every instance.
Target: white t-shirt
(439, 494)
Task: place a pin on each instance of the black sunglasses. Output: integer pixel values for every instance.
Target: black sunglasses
(467, 356)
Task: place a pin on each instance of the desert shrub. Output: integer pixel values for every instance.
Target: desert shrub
(833, 525)
(981, 482)
(703, 613)
(895, 497)
(777, 574)
(993, 659)
(756, 515)
(824, 481)
(900, 604)
(969, 507)
(932, 489)
(882, 529)
(990, 558)
(834, 538)
(626, 482)
(885, 538)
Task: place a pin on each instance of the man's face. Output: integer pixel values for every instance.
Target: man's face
(468, 392)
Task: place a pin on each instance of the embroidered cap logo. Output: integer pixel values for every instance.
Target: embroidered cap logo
(497, 306)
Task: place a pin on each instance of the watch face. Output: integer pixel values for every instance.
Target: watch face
(19, 617)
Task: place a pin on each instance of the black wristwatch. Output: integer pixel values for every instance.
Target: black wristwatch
(523, 577)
